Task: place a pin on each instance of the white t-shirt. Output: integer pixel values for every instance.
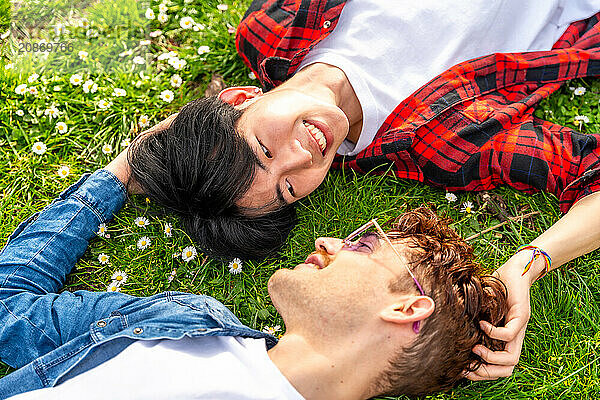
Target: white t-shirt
(211, 367)
(388, 49)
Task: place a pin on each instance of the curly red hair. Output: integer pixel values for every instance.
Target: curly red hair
(443, 263)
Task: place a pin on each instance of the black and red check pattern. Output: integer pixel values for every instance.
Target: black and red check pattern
(470, 128)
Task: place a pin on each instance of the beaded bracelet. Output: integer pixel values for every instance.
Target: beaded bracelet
(537, 252)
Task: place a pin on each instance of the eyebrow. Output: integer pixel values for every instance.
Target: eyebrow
(281, 202)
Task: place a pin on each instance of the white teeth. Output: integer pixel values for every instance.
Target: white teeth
(317, 134)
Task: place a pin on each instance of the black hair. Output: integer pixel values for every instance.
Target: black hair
(198, 168)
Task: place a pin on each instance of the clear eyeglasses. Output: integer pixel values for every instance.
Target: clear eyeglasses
(350, 241)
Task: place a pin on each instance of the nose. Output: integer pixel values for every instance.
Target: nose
(297, 157)
(329, 245)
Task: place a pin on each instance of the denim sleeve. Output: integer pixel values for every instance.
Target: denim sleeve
(35, 262)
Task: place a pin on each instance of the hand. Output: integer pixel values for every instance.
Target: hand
(502, 363)
(120, 167)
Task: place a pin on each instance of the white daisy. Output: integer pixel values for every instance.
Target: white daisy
(125, 142)
(126, 53)
(186, 22)
(144, 242)
(155, 34)
(177, 63)
(141, 222)
(230, 30)
(579, 119)
(203, 50)
(150, 14)
(451, 197)
(235, 266)
(222, 7)
(168, 230)
(107, 149)
(144, 121)
(84, 23)
(9, 66)
(57, 88)
(139, 60)
(33, 90)
(172, 276)
(145, 42)
(83, 55)
(176, 81)
(199, 27)
(63, 171)
(21, 89)
(102, 230)
(61, 127)
(162, 18)
(188, 254)
(113, 287)
(272, 330)
(76, 79)
(120, 277)
(166, 96)
(251, 75)
(167, 56)
(104, 104)
(103, 258)
(89, 86)
(119, 92)
(32, 78)
(51, 112)
(580, 91)
(20, 113)
(39, 148)
(162, 7)
(467, 207)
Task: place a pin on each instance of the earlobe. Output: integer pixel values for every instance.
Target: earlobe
(413, 309)
(239, 95)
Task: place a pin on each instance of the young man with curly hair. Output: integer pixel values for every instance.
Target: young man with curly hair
(372, 314)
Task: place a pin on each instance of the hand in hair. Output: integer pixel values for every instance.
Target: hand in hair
(501, 363)
(120, 167)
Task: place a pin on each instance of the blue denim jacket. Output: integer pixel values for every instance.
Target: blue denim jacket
(52, 337)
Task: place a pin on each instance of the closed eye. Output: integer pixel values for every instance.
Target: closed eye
(264, 149)
(290, 188)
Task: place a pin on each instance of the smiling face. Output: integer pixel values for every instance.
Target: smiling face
(341, 289)
(295, 137)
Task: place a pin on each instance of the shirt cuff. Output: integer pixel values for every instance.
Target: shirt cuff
(102, 192)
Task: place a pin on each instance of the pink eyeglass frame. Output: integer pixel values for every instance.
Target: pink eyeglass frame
(348, 241)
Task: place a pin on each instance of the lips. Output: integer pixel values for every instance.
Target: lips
(317, 135)
(314, 259)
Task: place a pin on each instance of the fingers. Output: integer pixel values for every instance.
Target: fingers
(490, 372)
(504, 333)
(508, 357)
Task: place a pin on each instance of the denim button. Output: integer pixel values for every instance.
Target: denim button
(101, 324)
(326, 24)
(137, 331)
(201, 330)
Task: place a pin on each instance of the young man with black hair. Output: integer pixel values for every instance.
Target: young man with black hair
(372, 314)
(386, 83)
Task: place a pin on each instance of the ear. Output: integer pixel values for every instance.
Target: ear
(412, 309)
(240, 95)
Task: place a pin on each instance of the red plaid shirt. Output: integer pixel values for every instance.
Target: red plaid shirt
(470, 128)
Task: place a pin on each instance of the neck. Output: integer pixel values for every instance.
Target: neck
(329, 82)
(324, 374)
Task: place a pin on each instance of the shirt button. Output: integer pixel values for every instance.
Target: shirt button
(137, 331)
(101, 324)
(326, 24)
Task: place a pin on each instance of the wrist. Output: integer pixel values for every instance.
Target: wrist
(534, 261)
(119, 167)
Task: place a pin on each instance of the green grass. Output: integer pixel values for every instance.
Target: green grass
(560, 357)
